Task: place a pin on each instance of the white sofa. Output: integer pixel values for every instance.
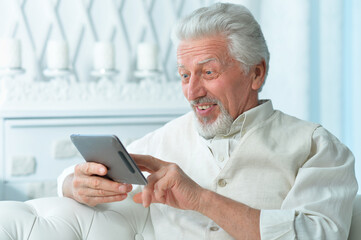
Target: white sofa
(62, 218)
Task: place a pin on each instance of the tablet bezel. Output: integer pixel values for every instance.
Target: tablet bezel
(108, 150)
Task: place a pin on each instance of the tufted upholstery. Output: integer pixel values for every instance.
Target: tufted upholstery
(355, 231)
(62, 218)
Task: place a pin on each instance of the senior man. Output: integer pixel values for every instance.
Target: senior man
(236, 168)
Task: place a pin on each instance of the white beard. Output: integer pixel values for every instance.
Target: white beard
(220, 126)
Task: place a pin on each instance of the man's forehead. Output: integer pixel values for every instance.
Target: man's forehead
(205, 46)
(201, 62)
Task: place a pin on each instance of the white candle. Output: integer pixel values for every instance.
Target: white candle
(147, 56)
(57, 55)
(10, 53)
(103, 55)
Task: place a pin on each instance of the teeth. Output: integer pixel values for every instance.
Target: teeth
(204, 107)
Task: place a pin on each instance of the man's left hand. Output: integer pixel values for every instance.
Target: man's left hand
(167, 184)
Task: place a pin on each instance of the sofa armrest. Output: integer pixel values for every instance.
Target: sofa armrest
(355, 231)
(63, 218)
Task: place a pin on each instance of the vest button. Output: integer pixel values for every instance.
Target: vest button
(214, 229)
(222, 182)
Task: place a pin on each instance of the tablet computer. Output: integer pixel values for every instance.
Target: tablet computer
(109, 151)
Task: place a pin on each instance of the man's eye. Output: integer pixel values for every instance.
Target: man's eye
(184, 75)
(209, 74)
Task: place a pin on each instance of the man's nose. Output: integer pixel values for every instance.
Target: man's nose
(196, 88)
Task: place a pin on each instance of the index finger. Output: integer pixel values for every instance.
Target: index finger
(148, 163)
(91, 168)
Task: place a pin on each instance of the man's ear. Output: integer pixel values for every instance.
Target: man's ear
(258, 75)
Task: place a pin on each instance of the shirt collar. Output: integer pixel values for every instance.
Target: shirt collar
(250, 118)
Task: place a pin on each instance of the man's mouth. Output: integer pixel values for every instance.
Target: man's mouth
(204, 107)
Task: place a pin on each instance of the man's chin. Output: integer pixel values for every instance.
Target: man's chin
(206, 121)
(208, 128)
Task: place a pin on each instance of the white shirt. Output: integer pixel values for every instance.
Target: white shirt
(221, 146)
(299, 175)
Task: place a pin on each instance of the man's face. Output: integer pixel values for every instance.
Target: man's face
(212, 80)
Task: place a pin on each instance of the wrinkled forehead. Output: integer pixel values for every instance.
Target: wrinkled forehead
(201, 51)
(202, 62)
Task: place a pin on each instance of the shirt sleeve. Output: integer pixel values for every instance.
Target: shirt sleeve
(67, 171)
(319, 205)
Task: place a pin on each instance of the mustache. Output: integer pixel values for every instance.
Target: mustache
(205, 100)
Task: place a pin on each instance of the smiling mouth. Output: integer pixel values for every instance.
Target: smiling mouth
(204, 107)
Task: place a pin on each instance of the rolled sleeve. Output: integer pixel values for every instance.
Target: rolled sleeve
(319, 205)
(276, 224)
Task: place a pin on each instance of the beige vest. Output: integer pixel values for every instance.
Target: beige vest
(259, 173)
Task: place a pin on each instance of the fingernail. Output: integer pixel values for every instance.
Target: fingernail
(102, 170)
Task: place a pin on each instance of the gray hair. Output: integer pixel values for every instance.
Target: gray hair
(236, 23)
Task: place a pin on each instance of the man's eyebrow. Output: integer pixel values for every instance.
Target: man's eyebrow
(206, 60)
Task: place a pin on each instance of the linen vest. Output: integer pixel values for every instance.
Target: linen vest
(259, 173)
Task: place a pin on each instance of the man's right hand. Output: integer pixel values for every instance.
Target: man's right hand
(86, 185)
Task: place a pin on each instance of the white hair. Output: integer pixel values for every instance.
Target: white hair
(236, 23)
